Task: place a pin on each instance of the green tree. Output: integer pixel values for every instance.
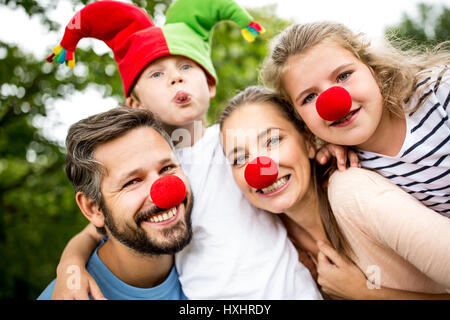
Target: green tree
(430, 27)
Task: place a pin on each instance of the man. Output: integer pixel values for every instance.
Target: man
(113, 159)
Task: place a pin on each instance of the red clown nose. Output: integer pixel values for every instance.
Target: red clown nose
(261, 172)
(334, 103)
(168, 192)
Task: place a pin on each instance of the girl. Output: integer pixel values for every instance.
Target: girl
(399, 114)
(401, 245)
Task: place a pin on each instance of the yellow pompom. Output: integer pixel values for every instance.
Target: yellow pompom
(57, 49)
(247, 36)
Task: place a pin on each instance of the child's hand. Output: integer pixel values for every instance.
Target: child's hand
(338, 276)
(77, 285)
(341, 153)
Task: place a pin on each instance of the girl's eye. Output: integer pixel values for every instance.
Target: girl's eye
(344, 76)
(273, 141)
(185, 67)
(310, 98)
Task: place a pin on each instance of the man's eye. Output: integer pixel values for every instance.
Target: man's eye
(310, 98)
(131, 182)
(344, 76)
(166, 169)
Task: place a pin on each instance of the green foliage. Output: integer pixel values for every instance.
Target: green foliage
(36, 216)
(430, 27)
(237, 62)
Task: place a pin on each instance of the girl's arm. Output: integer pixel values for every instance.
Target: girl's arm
(342, 278)
(342, 154)
(73, 281)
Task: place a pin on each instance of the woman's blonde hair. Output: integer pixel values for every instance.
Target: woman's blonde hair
(397, 71)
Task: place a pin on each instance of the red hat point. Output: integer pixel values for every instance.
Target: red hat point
(168, 192)
(334, 103)
(261, 172)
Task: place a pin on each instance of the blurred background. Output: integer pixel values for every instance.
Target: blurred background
(39, 101)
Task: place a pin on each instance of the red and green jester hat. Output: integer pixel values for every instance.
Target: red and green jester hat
(136, 41)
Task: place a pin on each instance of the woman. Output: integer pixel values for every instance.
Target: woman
(353, 224)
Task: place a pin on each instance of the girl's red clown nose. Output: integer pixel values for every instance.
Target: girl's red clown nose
(168, 192)
(334, 103)
(261, 172)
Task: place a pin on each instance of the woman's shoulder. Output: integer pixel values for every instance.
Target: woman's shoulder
(357, 178)
(353, 191)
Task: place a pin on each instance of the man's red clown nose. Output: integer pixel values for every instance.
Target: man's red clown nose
(334, 103)
(261, 172)
(168, 192)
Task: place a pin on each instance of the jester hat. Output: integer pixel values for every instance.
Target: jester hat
(136, 41)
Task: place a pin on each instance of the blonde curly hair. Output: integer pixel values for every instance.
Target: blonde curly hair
(397, 71)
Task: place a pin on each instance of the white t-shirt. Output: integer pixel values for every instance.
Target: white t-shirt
(237, 251)
(422, 167)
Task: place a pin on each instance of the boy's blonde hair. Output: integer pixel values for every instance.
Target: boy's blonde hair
(397, 72)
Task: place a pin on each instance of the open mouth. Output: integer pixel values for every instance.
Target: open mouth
(275, 187)
(182, 97)
(163, 217)
(347, 119)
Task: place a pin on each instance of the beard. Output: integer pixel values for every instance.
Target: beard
(169, 240)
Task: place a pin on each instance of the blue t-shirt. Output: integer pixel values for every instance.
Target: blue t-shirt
(115, 289)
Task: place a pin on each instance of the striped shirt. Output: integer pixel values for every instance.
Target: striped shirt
(422, 167)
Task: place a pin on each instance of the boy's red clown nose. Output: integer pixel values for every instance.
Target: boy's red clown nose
(261, 172)
(334, 103)
(168, 192)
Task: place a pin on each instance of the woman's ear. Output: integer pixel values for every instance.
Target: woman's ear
(90, 210)
(310, 147)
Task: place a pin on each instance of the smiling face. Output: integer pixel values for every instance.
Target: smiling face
(174, 88)
(133, 162)
(325, 65)
(258, 129)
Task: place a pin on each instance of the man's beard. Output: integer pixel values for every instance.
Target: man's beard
(174, 238)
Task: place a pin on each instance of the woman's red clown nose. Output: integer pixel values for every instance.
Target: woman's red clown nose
(334, 103)
(261, 172)
(168, 192)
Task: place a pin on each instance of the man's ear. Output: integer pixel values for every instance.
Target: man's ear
(90, 210)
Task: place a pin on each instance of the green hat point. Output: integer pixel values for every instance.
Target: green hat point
(189, 24)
